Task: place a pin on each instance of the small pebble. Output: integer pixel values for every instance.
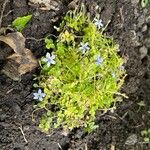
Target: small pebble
(147, 42)
(16, 108)
(26, 128)
(141, 21)
(144, 28)
(65, 132)
(18, 3)
(143, 52)
(135, 2)
(131, 140)
(36, 14)
(148, 20)
(135, 38)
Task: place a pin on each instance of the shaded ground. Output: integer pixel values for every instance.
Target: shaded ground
(130, 27)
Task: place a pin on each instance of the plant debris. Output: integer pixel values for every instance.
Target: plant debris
(46, 4)
(22, 60)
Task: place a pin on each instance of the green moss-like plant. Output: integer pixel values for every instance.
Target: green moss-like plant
(82, 75)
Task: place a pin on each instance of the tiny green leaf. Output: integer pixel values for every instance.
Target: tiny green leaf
(141, 104)
(20, 22)
(35, 85)
(144, 3)
(49, 43)
(144, 132)
(146, 139)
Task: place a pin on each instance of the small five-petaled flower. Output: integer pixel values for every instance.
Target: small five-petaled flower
(99, 60)
(39, 95)
(98, 23)
(84, 47)
(49, 59)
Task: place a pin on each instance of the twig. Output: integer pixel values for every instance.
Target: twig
(52, 132)
(34, 39)
(122, 119)
(23, 134)
(7, 13)
(86, 148)
(9, 91)
(2, 11)
(112, 147)
(59, 146)
(38, 40)
(121, 16)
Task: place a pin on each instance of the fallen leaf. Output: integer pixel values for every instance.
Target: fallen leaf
(20, 22)
(15, 40)
(22, 60)
(27, 62)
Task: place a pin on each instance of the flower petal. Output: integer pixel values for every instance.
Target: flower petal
(44, 59)
(80, 48)
(40, 98)
(48, 55)
(48, 64)
(35, 97)
(81, 43)
(39, 91)
(83, 52)
(53, 56)
(35, 94)
(43, 94)
(86, 44)
(87, 48)
(95, 19)
(53, 62)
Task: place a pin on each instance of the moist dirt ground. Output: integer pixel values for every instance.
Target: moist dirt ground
(119, 130)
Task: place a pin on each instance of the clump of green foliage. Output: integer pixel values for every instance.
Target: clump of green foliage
(83, 74)
(20, 22)
(146, 135)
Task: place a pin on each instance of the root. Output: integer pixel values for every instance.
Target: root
(23, 134)
(2, 11)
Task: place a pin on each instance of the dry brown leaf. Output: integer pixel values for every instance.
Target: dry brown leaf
(22, 60)
(27, 62)
(15, 40)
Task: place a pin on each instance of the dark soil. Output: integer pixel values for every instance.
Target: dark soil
(130, 28)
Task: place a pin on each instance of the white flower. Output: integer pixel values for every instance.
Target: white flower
(99, 60)
(98, 23)
(49, 59)
(39, 95)
(84, 47)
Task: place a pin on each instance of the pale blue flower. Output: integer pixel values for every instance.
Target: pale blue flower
(98, 23)
(39, 95)
(49, 59)
(99, 60)
(84, 47)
